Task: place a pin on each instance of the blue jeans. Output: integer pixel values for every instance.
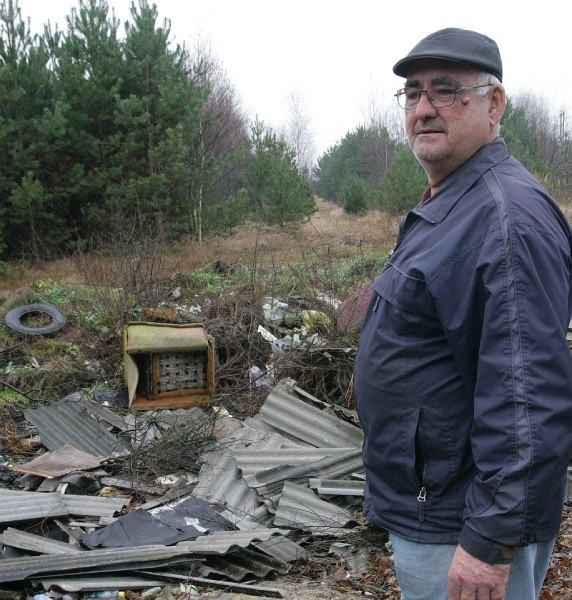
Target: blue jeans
(422, 569)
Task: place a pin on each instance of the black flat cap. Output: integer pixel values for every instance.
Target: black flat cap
(458, 46)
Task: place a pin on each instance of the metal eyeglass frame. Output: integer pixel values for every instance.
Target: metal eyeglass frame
(401, 93)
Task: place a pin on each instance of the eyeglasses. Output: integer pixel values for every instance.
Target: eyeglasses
(440, 96)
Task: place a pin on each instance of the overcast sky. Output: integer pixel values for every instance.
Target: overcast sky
(337, 55)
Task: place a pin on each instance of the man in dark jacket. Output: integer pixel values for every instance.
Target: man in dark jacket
(463, 376)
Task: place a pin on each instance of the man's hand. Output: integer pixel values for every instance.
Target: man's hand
(471, 578)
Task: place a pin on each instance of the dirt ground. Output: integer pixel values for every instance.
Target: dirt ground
(295, 590)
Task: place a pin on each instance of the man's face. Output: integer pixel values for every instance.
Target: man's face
(444, 138)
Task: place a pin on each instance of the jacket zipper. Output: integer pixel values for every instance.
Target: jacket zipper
(422, 495)
(421, 500)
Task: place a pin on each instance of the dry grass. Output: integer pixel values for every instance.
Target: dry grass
(100, 293)
(328, 231)
(328, 228)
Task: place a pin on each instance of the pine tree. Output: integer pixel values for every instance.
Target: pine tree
(30, 132)
(88, 70)
(279, 194)
(403, 182)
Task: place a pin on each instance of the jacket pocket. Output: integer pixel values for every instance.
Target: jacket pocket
(405, 289)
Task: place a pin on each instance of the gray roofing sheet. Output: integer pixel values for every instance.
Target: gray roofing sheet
(240, 588)
(95, 583)
(277, 546)
(347, 414)
(300, 507)
(243, 563)
(245, 435)
(289, 414)
(18, 506)
(117, 559)
(35, 543)
(346, 462)
(102, 413)
(220, 481)
(254, 459)
(93, 506)
(337, 487)
(269, 541)
(66, 422)
(282, 548)
(59, 462)
(221, 542)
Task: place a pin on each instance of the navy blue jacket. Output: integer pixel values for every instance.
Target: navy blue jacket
(463, 376)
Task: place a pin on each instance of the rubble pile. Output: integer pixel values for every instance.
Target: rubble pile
(260, 492)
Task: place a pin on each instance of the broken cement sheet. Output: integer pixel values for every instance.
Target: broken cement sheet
(59, 462)
(67, 422)
(182, 520)
(17, 506)
(300, 507)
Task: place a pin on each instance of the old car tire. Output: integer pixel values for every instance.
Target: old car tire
(13, 319)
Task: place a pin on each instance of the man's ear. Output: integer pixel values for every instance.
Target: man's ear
(497, 104)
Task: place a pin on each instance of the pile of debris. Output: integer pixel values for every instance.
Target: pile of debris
(263, 489)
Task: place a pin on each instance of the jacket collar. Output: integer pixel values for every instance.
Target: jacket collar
(438, 206)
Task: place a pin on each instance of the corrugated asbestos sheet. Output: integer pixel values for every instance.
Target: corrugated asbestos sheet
(269, 541)
(35, 543)
(220, 481)
(93, 561)
(270, 480)
(288, 414)
(282, 549)
(59, 462)
(26, 506)
(16, 506)
(253, 460)
(248, 474)
(84, 584)
(66, 422)
(243, 563)
(259, 475)
(337, 487)
(299, 506)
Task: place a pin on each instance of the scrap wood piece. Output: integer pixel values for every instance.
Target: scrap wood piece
(62, 461)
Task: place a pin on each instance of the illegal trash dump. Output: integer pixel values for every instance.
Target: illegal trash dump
(265, 488)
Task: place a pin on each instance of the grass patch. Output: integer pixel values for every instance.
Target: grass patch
(227, 279)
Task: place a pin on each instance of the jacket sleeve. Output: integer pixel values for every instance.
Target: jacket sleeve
(508, 334)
